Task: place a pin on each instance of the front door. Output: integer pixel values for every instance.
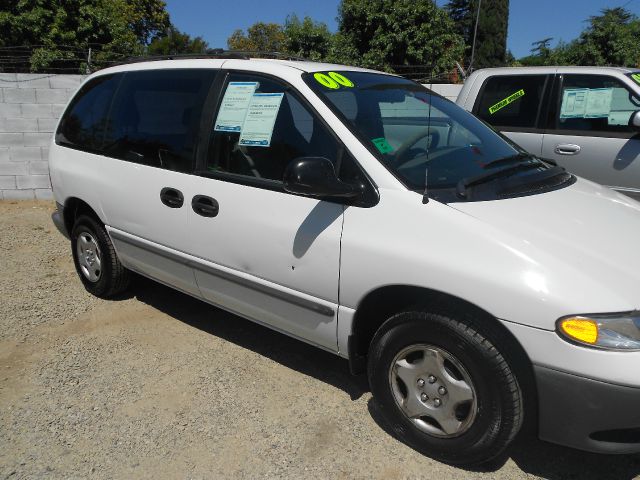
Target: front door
(590, 135)
(265, 254)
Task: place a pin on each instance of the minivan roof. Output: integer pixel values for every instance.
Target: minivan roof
(304, 66)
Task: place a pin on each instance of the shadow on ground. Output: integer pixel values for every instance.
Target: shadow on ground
(532, 456)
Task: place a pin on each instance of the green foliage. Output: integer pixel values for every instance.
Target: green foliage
(385, 33)
(609, 39)
(307, 38)
(263, 37)
(176, 42)
(491, 39)
(57, 34)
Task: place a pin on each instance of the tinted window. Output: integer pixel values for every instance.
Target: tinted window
(261, 125)
(83, 123)
(595, 103)
(511, 101)
(156, 117)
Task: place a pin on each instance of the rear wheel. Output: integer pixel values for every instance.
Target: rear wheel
(444, 387)
(95, 259)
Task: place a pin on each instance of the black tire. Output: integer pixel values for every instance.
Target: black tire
(112, 277)
(497, 394)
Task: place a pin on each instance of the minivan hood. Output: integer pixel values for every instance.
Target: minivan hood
(586, 229)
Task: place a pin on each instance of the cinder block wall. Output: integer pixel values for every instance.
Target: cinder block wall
(30, 105)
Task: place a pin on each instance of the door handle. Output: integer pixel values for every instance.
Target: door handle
(171, 197)
(567, 149)
(205, 206)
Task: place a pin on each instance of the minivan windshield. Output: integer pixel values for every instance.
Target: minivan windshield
(421, 137)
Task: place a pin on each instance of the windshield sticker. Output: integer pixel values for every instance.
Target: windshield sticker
(382, 145)
(333, 80)
(234, 106)
(341, 79)
(636, 77)
(503, 103)
(260, 120)
(586, 103)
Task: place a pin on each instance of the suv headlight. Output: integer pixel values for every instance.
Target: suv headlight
(616, 331)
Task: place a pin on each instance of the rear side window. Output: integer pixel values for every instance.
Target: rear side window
(83, 123)
(156, 116)
(511, 101)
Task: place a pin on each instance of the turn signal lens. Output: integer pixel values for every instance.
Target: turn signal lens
(581, 329)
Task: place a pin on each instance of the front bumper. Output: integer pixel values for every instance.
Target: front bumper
(58, 220)
(587, 414)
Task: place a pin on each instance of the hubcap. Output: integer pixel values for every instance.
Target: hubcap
(446, 404)
(89, 256)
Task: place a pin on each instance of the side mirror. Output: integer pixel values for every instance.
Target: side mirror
(316, 177)
(634, 120)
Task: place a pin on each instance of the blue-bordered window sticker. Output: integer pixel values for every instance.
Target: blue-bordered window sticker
(234, 106)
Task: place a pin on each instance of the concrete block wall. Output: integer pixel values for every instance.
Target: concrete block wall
(30, 105)
(448, 90)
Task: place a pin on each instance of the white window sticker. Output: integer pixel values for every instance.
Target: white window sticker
(574, 103)
(586, 103)
(260, 119)
(235, 104)
(599, 103)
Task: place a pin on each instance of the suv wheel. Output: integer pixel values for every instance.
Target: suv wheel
(95, 259)
(444, 387)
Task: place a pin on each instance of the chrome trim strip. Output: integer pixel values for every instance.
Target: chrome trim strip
(287, 297)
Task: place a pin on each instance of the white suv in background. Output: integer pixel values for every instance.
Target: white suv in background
(476, 285)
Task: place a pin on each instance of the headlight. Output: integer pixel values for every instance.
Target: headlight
(616, 331)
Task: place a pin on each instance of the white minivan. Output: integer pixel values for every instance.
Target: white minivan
(478, 286)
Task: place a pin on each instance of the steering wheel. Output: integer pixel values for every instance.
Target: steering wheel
(411, 141)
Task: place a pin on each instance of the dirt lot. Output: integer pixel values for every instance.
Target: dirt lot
(159, 385)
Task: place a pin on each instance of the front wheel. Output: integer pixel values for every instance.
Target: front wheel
(444, 387)
(95, 259)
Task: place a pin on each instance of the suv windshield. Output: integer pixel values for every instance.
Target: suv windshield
(422, 138)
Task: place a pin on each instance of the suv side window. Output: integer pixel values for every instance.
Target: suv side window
(83, 123)
(156, 117)
(511, 101)
(595, 103)
(261, 148)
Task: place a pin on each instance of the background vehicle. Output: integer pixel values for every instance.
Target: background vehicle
(361, 213)
(580, 117)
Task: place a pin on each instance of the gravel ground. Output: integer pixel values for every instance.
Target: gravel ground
(157, 384)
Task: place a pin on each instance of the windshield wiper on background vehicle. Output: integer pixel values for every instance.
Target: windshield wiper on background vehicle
(467, 182)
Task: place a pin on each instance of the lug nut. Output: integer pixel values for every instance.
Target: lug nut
(424, 397)
(432, 379)
(437, 402)
(420, 382)
(442, 391)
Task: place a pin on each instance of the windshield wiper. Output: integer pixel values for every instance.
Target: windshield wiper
(465, 183)
(510, 158)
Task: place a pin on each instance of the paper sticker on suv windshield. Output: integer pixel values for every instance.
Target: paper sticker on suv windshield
(234, 106)
(260, 120)
(503, 103)
(382, 145)
(333, 80)
(636, 77)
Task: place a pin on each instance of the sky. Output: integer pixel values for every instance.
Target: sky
(529, 20)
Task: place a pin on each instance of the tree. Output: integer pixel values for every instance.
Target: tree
(491, 37)
(148, 19)
(260, 37)
(307, 38)
(175, 42)
(56, 35)
(388, 33)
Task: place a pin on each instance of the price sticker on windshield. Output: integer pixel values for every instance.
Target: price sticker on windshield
(507, 101)
(382, 145)
(333, 80)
